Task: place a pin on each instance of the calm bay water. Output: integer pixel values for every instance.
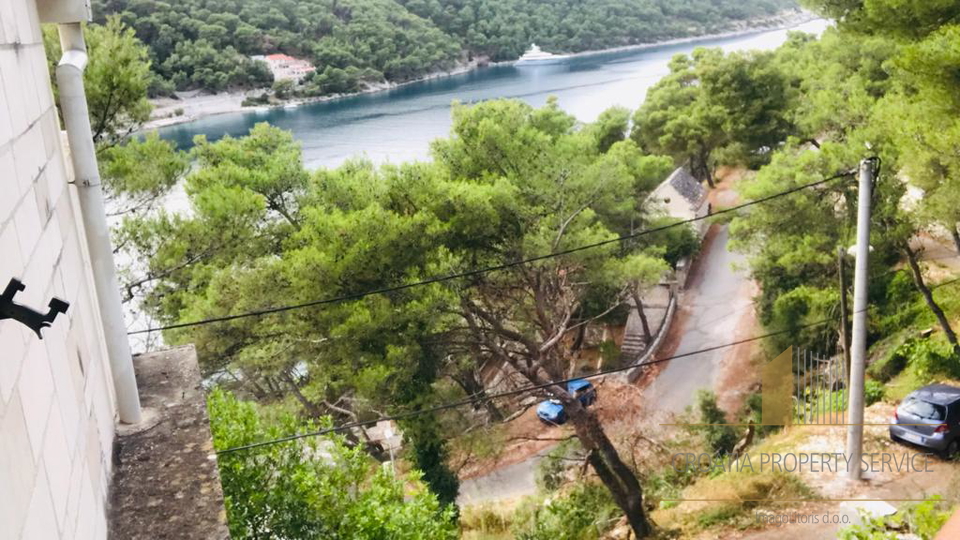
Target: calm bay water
(397, 125)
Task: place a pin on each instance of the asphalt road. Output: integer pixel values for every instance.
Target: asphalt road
(511, 482)
(711, 308)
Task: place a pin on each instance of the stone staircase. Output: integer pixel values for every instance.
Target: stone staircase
(633, 346)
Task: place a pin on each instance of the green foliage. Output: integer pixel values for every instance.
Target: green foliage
(668, 483)
(137, 173)
(256, 101)
(930, 358)
(486, 519)
(551, 469)
(284, 89)
(889, 365)
(585, 513)
(718, 515)
(715, 109)
(503, 29)
(315, 487)
(511, 182)
(719, 437)
(920, 520)
(207, 44)
(116, 78)
(753, 412)
(873, 391)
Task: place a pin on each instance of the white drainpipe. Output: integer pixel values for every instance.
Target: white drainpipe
(76, 120)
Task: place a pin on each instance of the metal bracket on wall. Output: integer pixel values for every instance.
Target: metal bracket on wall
(34, 320)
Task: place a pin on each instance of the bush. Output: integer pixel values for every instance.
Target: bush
(485, 519)
(930, 358)
(921, 520)
(586, 513)
(754, 413)
(262, 99)
(668, 483)
(284, 89)
(873, 391)
(889, 366)
(550, 472)
(720, 438)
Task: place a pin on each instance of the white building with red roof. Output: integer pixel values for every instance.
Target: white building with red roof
(286, 67)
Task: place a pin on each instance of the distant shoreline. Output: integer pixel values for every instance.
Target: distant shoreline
(203, 106)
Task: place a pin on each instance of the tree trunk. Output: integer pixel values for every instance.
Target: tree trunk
(707, 170)
(613, 472)
(311, 408)
(638, 303)
(928, 297)
(956, 237)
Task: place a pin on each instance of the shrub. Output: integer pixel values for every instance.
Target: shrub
(720, 437)
(668, 483)
(889, 366)
(918, 520)
(586, 513)
(873, 391)
(754, 413)
(253, 101)
(485, 519)
(550, 471)
(931, 357)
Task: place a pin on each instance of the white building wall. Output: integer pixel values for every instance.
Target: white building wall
(56, 401)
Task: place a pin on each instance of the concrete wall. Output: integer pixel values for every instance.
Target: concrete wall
(56, 401)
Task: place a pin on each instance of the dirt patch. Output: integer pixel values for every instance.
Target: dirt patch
(739, 374)
(523, 437)
(527, 435)
(724, 195)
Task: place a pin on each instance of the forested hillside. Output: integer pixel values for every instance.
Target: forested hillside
(207, 43)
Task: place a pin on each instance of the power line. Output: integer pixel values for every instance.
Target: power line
(523, 390)
(488, 269)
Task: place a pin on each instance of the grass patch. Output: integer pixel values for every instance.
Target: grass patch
(693, 517)
(904, 383)
(489, 521)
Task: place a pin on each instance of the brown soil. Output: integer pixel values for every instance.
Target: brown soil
(739, 374)
(724, 195)
(527, 435)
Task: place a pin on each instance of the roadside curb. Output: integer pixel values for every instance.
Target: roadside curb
(631, 375)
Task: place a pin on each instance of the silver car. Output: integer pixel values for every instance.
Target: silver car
(929, 417)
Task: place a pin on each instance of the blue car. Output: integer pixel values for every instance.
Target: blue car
(551, 411)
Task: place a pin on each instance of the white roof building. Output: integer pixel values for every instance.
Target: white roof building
(681, 196)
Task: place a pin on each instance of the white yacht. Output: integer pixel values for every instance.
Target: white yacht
(537, 57)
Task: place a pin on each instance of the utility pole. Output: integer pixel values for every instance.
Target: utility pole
(844, 323)
(858, 344)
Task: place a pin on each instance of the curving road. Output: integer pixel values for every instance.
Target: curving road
(511, 482)
(716, 301)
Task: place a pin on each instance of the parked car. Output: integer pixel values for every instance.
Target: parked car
(583, 390)
(551, 411)
(929, 417)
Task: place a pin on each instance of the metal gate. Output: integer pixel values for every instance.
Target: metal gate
(820, 394)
